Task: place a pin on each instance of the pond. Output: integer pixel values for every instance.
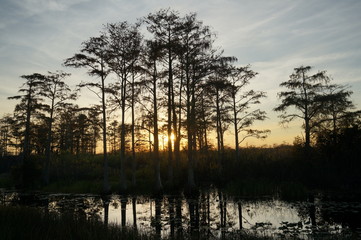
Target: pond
(210, 213)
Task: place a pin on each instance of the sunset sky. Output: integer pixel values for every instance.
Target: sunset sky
(273, 36)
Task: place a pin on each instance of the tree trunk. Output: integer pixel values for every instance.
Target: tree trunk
(134, 163)
(123, 207)
(307, 133)
(158, 182)
(48, 145)
(134, 207)
(236, 140)
(191, 130)
(306, 116)
(106, 187)
(169, 125)
(123, 182)
(178, 129)
(26, 148)
(218, 127)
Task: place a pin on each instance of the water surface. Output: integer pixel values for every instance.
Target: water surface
(210, 213)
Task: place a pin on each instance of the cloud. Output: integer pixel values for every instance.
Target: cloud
(35, 7)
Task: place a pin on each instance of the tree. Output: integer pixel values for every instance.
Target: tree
(95, 126)
(11, 128)
(338, 106)
(218, 90)
(150, 83)
(57, 93)
(94, 55)
(65, 128)
(204, 121)
(336, 115)
(113, 133)
(306, 95)
(241, 102)
(5, 135)
(195, 56)
(125, 46)
(134, 98)
(164, 25)
(30, 102)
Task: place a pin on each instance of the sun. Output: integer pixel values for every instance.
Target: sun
(172, 138)
(165, 142)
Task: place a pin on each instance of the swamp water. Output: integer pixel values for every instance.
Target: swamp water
(210, 213)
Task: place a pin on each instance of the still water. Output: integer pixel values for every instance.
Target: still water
(210, 213)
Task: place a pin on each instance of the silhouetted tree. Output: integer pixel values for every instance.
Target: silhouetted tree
(150, 83)
(134, 98)
(5, 134)
(113, 132)
(241, 102)
(66, 128)
(306, 95)
(57, 92)
(164, 25)
(30, 102)
(125, 46)
(204, 122)
(94, 55)
(95, 126)
(218, 89)
(337, 111)
(196, 50)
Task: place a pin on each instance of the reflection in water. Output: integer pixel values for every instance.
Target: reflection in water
(158, 220)
(171, 206)
(312, 210)
(123, 204)
(240, 220)
(211, 213)
(193, 210)
(106, 209)
(134, 207)
(178, 216)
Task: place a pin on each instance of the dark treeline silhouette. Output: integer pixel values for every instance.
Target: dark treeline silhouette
(162, 99)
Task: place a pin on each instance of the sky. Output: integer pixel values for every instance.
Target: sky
(274, 37)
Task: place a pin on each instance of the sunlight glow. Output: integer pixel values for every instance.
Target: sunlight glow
(165, 140)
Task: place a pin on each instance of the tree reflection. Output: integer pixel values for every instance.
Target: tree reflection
(210, 214)
(240, 220)
(193, 206)
(106, 201)
(178, 216)
(158, 212)
(223, 213)
(123, 206)
(134, 207)
(171, 206)
(312, 210)
(205, 214)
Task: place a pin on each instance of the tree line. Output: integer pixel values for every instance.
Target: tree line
(166, 75)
